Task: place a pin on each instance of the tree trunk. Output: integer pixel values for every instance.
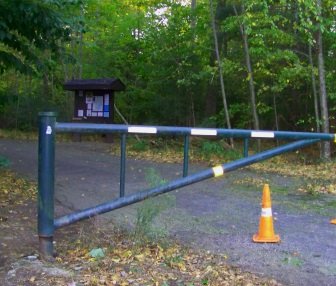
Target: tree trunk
(80, 56)
(212, 90)
(211, 96)
(315, 95)
(16, 92)
(313, 79)
(323, 90)
(191, 97)
(80, 47)
(276, 117)
(193, 20)
(192, 110)
(214, 30)
(255, 117)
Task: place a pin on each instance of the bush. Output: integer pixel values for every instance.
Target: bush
(139, 146)
(150, 209)
(210, 150)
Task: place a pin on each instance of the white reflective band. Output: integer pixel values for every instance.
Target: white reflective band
(49, 130)
(262, 134)
(218, 171)
(148, 130)
(266, 212)
(198, 131)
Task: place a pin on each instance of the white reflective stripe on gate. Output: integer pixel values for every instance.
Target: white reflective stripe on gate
(262, 134)
(204, 132)
(139, 129)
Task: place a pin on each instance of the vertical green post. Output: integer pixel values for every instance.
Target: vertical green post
(122, 164)
(186, 156)
(246, 147)
(46, 177)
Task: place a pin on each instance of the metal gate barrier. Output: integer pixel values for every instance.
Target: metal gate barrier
(48, 127)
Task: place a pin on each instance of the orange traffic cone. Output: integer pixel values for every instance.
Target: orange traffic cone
(333, 221)
(266, 230)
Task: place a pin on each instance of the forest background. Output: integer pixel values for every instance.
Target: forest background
(266, 64)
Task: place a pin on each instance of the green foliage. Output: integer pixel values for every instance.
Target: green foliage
(147, 212)
(215, 149)
(28, 29)
(163, 52)
(209, 148)
(153, 178)
(22, 97)
(293, 261)
(139, 146)
(97, 253)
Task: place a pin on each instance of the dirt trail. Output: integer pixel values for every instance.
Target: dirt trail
(219, 215)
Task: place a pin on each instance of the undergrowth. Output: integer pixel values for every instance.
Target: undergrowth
(150, 209)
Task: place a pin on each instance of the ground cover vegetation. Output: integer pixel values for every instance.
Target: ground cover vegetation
(235, 64)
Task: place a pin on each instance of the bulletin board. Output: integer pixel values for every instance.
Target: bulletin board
(97, 105)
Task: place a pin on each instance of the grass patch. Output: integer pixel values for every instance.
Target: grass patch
(209, 150)
(150, 209)
(139, 146)
(293, 260)
(153, 178)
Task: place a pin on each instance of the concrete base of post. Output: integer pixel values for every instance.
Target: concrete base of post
(46, 248)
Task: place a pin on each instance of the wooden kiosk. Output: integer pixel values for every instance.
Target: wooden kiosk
(94, 99)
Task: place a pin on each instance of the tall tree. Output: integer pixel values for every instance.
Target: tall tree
(220, 69)
(315, 95)
(323, 90)
(250, 76)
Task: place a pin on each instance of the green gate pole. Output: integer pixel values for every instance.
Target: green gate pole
(186, 156)
(246, 147)
(46, 176)
(122, 164)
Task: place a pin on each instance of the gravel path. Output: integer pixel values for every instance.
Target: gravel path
(218, 215)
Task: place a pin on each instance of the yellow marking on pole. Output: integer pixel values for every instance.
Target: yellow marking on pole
(335, 138)
(218, 171)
